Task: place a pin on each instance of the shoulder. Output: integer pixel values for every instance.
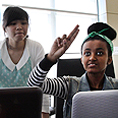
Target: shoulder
(2, 43)
(35, 48)
(114, 81)
(33, 43)
(36, 51)
(74, 79)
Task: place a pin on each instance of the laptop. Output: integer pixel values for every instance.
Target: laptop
(95, 104)
(20, 102)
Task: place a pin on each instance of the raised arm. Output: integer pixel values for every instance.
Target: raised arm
(60, 45)
(38, 74)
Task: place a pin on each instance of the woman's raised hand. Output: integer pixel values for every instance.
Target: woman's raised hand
(60, 45)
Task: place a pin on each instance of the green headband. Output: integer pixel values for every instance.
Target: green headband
(92, 34)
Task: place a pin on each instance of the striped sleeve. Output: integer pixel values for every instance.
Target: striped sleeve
(53, 86)
(39, 72)
(36, 77)
(56, 86)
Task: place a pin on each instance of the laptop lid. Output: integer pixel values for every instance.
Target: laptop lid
(20, 102)
(95, 104)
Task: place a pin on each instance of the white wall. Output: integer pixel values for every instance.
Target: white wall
(109, 14)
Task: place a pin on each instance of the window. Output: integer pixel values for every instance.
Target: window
(52, 18)
(57, 17)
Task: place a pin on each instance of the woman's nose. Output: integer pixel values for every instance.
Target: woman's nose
(18, 26)
(92, 57)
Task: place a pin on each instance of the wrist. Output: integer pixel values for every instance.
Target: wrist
(46, 64)
(51, 58)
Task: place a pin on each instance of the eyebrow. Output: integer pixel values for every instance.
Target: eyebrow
(88, 49)
(100, 49)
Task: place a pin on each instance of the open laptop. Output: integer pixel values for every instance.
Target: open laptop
(95, 104)
(20, 102)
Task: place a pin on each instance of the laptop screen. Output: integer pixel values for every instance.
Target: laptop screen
(20, 102)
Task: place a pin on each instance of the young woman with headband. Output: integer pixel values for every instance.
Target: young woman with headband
(96, 55)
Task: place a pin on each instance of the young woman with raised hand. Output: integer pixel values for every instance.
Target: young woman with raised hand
(96, 55)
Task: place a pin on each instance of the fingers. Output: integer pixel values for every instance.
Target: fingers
(67, 42)
(70, 37)
(64, 36)
(73, 33)
(60, 40)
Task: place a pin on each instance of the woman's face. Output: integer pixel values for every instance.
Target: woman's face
(17, 30)
(95, 56)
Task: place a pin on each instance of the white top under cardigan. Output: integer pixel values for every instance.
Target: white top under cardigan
(35, 52)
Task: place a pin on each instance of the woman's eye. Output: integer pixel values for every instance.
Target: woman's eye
(87, 53)
(12, 23)
(100, 53)
(24, 23)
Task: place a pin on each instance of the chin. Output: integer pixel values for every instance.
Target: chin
(19, 39)
(93, 71)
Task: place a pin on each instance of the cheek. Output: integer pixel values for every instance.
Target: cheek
(26, 27)
(103, 60)
(26, 30)
(10, 33)
(83, 61)
(9, 30)
(103, 63)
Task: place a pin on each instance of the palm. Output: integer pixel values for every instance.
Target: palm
(60, 45)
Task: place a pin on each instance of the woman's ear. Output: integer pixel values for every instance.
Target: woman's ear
(81, 60)
(4, 29)
(109, 60)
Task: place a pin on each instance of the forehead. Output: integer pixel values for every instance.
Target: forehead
(95, 45)
(19, 20)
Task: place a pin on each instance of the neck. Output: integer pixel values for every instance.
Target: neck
(15, 46)
(95, 80)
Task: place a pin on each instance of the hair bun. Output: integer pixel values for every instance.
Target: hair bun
(110, 33)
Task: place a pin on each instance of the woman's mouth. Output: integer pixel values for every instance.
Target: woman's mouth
(91, 65)
(19, 34)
